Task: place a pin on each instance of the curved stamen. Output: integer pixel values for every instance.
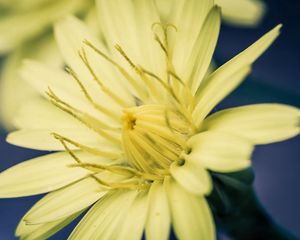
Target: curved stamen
(106, 90)
(100, 108)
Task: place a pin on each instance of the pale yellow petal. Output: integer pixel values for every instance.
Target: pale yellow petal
(221, 152)
(242, 12)
(159, 219)
(216, 89)
(44, 139)
(191, 216)
(65, 202)
(38, 113)
(134, 222)
(135, 19)
(227, 77)
(188, 18)
(43, 231)
(203, 49)
(104, 218)
(260, 123)
(40, 175)
(192, 176)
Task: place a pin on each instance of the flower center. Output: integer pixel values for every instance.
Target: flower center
(153, 137)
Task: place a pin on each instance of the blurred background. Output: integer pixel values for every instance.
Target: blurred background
(275, 78)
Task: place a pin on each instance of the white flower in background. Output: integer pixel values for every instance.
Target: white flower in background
(246, 13)
(25, 27)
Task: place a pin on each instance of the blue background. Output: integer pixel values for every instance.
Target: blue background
(275, 78)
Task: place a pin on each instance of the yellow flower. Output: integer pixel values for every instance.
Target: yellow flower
(242, 12)
(26, 33)
(129, 119)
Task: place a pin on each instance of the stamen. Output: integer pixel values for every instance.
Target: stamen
(90, 99)
(169, 148)
(125, 171)
(162, 131)
(91, 122)
(137, 156)
(141, 73)
(139, 89)
(131, 185)
(117, 99)
(110, 155)
(69, 150)
(159, 159)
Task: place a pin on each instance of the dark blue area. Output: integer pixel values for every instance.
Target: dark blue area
(275, 78)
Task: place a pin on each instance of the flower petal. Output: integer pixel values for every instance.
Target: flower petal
(227, 77)
(260, 123)
(203, 49)
(137, 214)
(40, 175)
(38, 113)
(43, 231)
(43, 139)
(76, 197)
(102, 220)
(159, 218)
(188, 18)
(138, 18)
(242, 12)
(192, 176)
(221, 152)
(191, 216)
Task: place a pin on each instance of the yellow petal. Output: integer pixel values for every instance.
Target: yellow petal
(159, 219)
(76, 197)
(31, 138)
(192, 176)
(220, 82)
(260, 123)
(43, 231)
(104, 218)
(137, 18)
(134, 222)
(188, 18)
(242, 12)
(191, 216)
(203, 49)
(40, 175)
(221, 152)
(215, 91)
(38, 113)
